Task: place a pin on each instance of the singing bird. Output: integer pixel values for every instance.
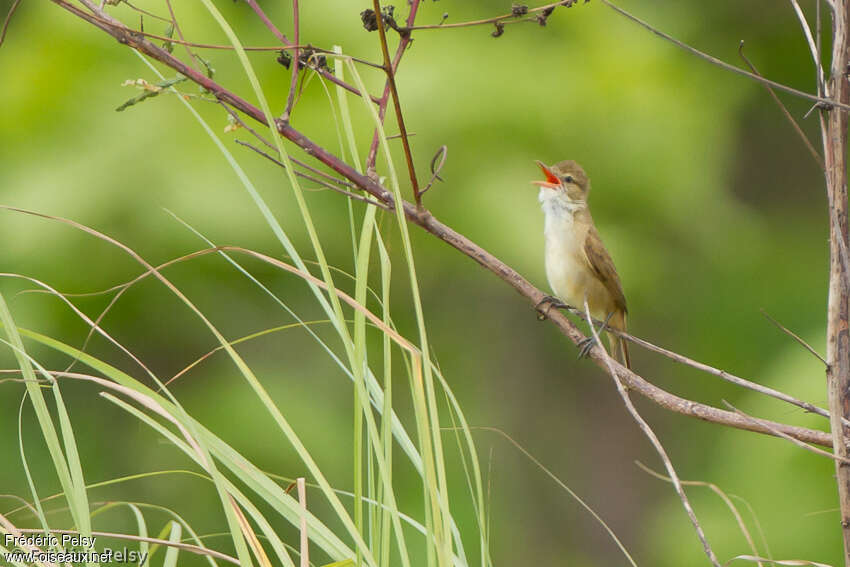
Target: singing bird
(578, 266)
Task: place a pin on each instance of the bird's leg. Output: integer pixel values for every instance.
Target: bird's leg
(549, 301)
(588, 343)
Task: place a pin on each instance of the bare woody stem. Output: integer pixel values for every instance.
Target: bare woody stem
(428, 222)
(290, 99)
(834, 127)
(388, 67)
(382, 103)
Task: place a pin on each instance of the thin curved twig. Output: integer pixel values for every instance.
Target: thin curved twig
(653, 439)
(8, 19)
(296, 64)
(714, 60)
(403, 43)
(817, 157)
(504, 19)
(436, 168)
(794, 336)
(388, 68)
(325, 184)
(796, 442)
(807, 31)
(723, 496)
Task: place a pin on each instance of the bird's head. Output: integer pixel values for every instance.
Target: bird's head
(566, 182)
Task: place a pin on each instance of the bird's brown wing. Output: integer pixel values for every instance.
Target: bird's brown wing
(601, 263)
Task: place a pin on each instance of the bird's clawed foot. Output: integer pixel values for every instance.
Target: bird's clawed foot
(544, 305)
(585, 345)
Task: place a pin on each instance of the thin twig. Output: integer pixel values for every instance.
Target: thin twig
(731, 378)
(818, 40)
(180, 34)
(796, 442)
(794, 336)
(235, 115)
(382, 103)
(265, 19)
(723, 496)
(714, 60)
(437, 167)
(388, 67)
(102, 17)
(555, 478)
(656, 443)
(349, 194)
(319, 172)
(807, 31)
(296, 65)
(8, 19)
(784, 109)
(146, 12)
(505, 19)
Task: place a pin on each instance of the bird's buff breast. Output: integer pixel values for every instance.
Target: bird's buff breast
(566, 267)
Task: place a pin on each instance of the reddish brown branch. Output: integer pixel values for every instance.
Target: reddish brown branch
(268, 23)
(385, 97)
(428, 222)
(388, 67)
(296, 64)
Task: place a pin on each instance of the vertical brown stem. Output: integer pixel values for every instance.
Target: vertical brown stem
(837, 338)
(388, 67)
(293, 85)
(382, 105)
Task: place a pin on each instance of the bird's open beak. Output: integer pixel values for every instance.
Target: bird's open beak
(552, 180)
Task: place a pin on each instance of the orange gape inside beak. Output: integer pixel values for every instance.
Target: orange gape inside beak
(552, 180)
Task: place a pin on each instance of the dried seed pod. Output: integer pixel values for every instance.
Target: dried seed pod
(284, 58)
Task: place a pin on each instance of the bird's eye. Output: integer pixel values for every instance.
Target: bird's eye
(569, 179)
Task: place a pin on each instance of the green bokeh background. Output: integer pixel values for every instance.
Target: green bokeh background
(709, 203)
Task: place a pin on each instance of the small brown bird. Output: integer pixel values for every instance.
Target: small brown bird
(578, 266)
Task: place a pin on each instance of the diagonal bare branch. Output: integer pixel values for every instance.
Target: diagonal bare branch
(817, 157)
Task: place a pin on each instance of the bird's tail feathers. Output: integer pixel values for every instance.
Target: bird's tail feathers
(617, 346)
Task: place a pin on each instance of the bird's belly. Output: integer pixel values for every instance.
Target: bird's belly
(572, 281)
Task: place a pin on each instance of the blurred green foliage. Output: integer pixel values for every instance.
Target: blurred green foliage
(707, 200)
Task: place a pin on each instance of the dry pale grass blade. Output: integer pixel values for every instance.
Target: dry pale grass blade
(305, 541)
(560, 483)
(250, 535)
